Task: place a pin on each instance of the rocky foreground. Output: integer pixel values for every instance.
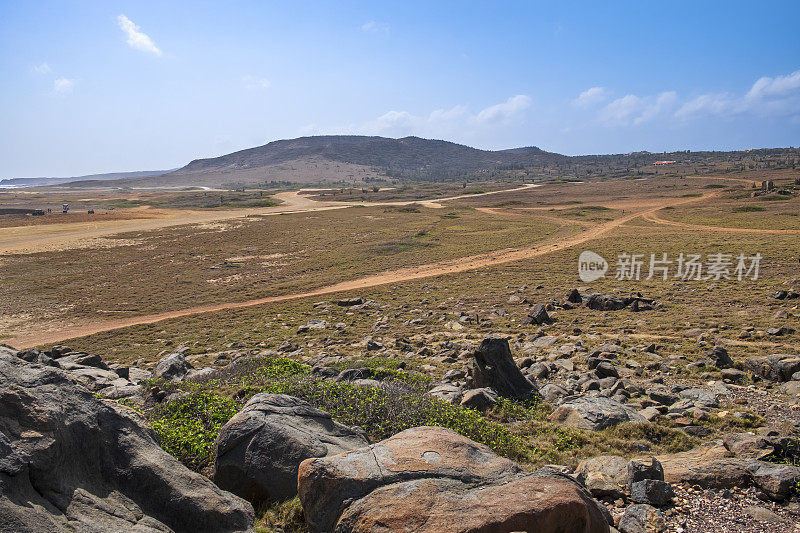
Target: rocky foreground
(77, 451)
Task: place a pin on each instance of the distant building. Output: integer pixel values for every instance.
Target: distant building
(664, 162)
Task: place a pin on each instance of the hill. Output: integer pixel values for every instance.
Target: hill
(36, 182)
(345, 158)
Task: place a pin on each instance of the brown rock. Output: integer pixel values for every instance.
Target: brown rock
(431, 479)
(710, 465)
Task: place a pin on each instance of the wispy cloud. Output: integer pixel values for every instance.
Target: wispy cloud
(254, 82)
(42, 69)
(137, 40)
(506, 111)
(375, 27)
(633, 109)
(590, 97)
(778, 96)
(446, 122)
(63, 86)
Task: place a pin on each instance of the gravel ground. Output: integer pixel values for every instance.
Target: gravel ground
(734, 510)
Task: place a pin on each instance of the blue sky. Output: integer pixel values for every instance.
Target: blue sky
(108, 86)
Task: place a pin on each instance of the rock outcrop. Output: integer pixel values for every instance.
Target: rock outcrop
(494, 367)
(71, 462)
(430, 479)
(260, 449)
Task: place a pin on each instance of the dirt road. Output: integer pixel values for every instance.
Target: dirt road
(68, 236)
(461, 264)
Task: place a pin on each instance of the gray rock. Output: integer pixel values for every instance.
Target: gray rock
(260, 449)
(173, 367)
(774, 480)
(604, 369)
(748, 445)
(538, 316)
(594, 413)
(719, 357)
(69, 461)
(480, 399)
(603, 476)
(642, 518)
(494, 367)
(700, 398)
(640, 470)
(733, 375)
(552, 392)
(765, 515)
(652, 491)
(778, 367)
(448, 392)
(312, 324)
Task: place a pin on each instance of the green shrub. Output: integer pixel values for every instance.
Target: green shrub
(188, 427)
(749, 209)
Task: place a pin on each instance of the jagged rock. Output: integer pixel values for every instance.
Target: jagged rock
(652, 491)
(733, 375)
(538, 316)
(260, 449)
(173, 367)
(312, 324)
(642, 518)
(430, 479)
(494, 367)
(719, 357)
(778, 367)
(594, 413)
(574, 296)
(480, 399)
(639, 470)
(69, 461)
(700, 398)
(604, 369)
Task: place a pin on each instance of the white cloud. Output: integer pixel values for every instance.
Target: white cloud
(253, 82)
(375, 27)
(632, 109)
(775, 87)
(42, 69)
(504, 112)
(63, 86)
(444, 123)
(778, 96)
(707, 104)
(591, 96)
(137, 39)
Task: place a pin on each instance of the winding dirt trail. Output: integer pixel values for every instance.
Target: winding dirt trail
(461, 264)
(653, 217)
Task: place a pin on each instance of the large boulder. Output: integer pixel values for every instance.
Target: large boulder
(604, 475)
(710, 465)
(431, 479)
(494, 367)
(173, 367)
(778, 367)
(260, 449)
(594, 413)
(71, 462)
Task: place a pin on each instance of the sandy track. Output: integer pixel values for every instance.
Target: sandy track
(653, 217)
(461, 264)
(71, 235)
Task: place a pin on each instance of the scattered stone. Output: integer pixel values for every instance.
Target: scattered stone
(719, 357)
(774, 480)
(448, 392)
(640, 470)
(778, 367)
(350, 302)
